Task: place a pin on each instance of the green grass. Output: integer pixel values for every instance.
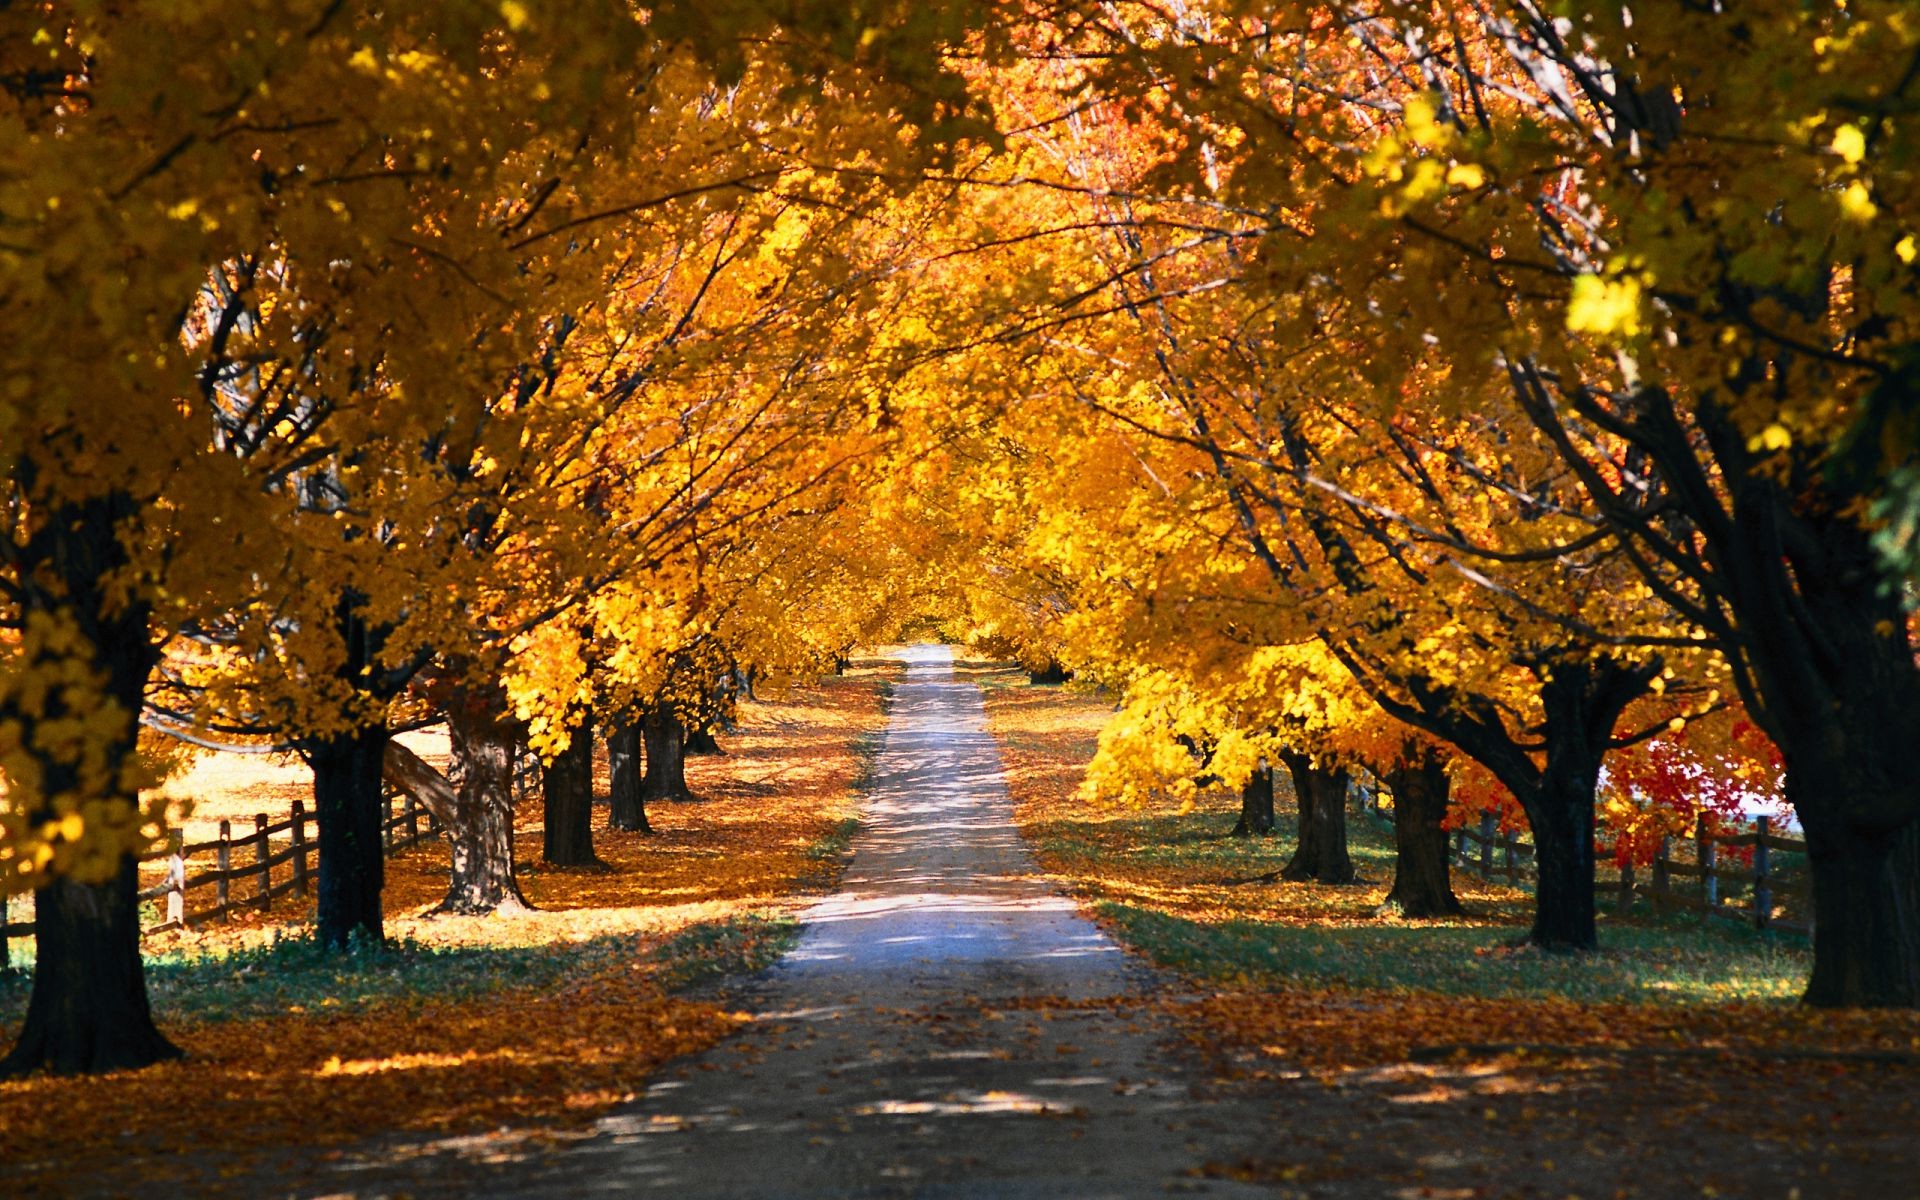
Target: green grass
(1643, 958)
(835, 842)
(1636, 964)
(298, 975)
(717, 949)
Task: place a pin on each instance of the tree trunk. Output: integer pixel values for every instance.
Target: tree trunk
(1052, 673)
(666, 777)
(701, 741)
(1564, 908)
(481, 831)
(568, 789)
(1256, 805)
(1422, 884)
(88, 1009)
(1580, 702)
(349, 807)
(629, 806)
(1322, 798)
(1866, 909)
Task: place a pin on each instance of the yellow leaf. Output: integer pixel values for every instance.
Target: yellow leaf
(1856, 203)
(1609, 307)
(1849, 143)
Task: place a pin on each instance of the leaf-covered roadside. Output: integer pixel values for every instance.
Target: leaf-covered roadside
(1426, 1055)
(465, 1025)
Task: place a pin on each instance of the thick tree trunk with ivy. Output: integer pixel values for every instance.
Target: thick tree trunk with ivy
(1422, 875)
(1256, 805)
(666, 777)
(483, 741)
(628, 806)
(567, 786)
(88, 1009)
(1321, 796)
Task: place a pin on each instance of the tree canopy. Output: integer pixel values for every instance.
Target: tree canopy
(1510, 395)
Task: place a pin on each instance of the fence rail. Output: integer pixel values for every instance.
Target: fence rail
(242, 870)
(1475, 850)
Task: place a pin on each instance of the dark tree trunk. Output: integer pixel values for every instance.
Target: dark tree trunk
(1580, 701)
(1422, 883)
(88, 1009)
(666, 777)
(701, 741)
(349, 807)
(568, 789)
(1801, 602)
(628, 808)
(1844, 709)
(1048, 675)
(1256, 805)
(1561, 819)
(1866, 910)
(1321, 795)
(481, 833)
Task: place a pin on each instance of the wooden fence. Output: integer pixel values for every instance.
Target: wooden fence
(1676, 861)
(238, 869)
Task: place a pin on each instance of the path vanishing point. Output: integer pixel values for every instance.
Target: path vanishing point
(935, 1032)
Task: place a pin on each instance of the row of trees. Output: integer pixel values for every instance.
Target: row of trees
(1478, 392)
(505, 364)
(1467, 389)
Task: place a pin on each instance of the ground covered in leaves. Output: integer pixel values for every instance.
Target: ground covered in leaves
(463, 1025)
(1426, 1058)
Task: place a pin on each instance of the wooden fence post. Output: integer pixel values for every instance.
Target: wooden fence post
(413, 819)
(1510, 843)
(1657, 889)
(1489, 830)
(260, 849)
(223, 862)
(1625, 902)
(1709, 883)
(176, 879)
(1762, 885)
(299, 849)
(386, 827)
(1460, 845)
(6, 938)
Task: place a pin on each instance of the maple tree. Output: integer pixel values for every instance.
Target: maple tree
(1458, 392)
(1695, 289)
(349, 198)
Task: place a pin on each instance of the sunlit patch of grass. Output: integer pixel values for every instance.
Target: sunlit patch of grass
(1464, 959)
(1175, 886)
